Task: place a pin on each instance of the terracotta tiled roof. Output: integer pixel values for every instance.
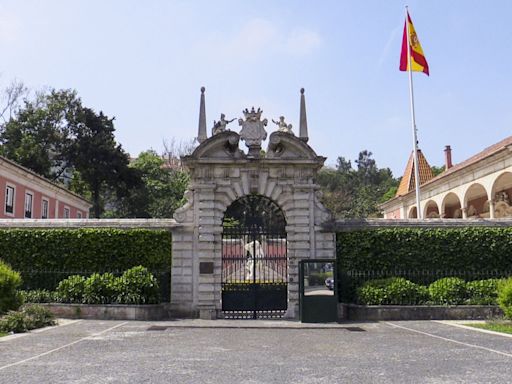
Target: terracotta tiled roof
(408, 182)
(500, 145)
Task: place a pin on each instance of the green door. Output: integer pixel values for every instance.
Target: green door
(318, 292)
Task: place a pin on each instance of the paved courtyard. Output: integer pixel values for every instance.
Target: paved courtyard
(255, 352)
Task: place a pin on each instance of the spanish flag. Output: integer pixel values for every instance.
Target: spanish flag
(418, 61)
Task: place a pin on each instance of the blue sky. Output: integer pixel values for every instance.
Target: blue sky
(145, 61)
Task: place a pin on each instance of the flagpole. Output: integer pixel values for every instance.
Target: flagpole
(413, 121)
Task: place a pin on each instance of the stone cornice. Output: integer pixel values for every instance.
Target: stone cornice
(347, 225)
(90, 223)
(319, 161)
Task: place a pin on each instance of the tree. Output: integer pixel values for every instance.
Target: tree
(174, 149)
(100, 162)
(437, 170)
(37, 135)
(11, 97)
(161, 191)
(350, 192)
(57, 137)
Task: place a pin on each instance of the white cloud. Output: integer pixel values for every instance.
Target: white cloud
(302, 42)
(387, 47)
(10, 26)
(260, 37)
(255, 36)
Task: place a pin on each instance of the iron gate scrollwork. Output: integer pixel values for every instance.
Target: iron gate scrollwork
(254, 259)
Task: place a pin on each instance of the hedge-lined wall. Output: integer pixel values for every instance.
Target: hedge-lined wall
(470, 249)
(104, 249)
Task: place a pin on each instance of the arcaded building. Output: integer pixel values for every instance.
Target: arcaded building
(479, 187)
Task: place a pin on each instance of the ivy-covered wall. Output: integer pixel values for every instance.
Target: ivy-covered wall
(470, 249)
(104, 249)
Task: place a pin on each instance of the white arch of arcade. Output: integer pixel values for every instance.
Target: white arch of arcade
(501, 192)
(487, 197)
(491, 198)
(431, 210)
(451, 207)
(476, 201)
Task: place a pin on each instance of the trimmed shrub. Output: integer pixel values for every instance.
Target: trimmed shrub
(482, 292)
(100, 289)
(403, 291)
(449, 290)
(86, 249)
(391, 291)
(416, 249)
(10, 280)
(39, 296)
(135, 286)
(373, 292)
(505, 297)
(485, 249)
(71, 290)
(138, 286)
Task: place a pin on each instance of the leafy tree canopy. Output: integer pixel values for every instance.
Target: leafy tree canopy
(355, 192)
(56, 136)
(161, 191)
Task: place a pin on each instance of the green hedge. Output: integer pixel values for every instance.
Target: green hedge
(472, 248)
(445, 291)
(391, 291)
(82, 250)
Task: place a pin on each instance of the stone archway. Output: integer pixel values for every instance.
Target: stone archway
(254, 259)
(221, 174)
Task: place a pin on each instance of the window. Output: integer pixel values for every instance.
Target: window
(28, 205)
(66, 212)
(79, 215)
(45, 207)
(9, 199)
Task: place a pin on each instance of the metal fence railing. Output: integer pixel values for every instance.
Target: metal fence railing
(478, 287)
(50, 279)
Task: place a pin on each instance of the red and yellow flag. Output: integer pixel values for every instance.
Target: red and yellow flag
(418, 61)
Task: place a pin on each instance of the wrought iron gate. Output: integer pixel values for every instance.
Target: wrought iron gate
(254, 260)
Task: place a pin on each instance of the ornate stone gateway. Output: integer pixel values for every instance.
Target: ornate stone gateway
(254, 259)
(251, 216)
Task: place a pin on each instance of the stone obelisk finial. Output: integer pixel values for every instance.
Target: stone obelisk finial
(303, 128)
(201, 134)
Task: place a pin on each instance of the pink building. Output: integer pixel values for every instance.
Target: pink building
(25, 194)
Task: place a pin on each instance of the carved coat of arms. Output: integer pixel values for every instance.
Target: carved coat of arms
(253, 130)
